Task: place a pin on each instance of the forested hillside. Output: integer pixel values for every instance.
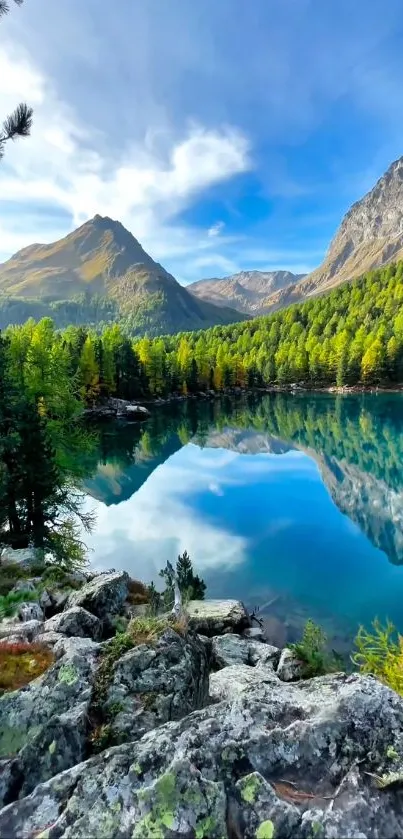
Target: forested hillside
(354, 334)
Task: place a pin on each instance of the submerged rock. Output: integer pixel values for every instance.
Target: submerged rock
(212, 617)
(277, 760)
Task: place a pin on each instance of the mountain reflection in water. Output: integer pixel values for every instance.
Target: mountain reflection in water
(291, 501)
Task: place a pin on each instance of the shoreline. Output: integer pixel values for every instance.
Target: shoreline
(139, 411)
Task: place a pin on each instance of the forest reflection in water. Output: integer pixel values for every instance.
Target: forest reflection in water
(292, 502)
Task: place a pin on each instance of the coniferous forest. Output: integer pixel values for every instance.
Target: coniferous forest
(352, 335)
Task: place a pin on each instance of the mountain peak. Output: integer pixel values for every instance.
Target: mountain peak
(101, 259)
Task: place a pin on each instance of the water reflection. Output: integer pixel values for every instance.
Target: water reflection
(291, 501)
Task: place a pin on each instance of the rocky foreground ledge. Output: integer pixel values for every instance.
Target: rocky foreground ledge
(209, 740)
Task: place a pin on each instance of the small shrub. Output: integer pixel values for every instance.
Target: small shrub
(9, 576)
(138, 593)
(21, 663)
(147, 630)
(120, 624)
(191, 586)
(154, 600)
(9, 603)
(380, 653)
(312, 651)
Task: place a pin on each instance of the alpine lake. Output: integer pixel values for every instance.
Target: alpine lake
(292, 503)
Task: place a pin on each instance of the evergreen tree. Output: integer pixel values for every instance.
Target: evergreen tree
(19, 123)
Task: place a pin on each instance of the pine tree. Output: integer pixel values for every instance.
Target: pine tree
(19, 123)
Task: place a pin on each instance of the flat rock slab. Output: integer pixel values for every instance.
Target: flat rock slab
(213, 617)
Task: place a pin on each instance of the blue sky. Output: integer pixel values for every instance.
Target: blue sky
(225, 135)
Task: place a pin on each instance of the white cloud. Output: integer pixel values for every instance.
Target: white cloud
(61, 167)
(216, 229)
(158, 523)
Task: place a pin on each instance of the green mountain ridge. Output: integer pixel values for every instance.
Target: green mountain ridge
(97, 274)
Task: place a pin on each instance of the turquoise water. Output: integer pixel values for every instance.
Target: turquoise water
(292, 503)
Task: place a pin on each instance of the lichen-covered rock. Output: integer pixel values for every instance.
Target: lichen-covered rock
(259, 812)
(290, 667)
(78, 646)
(151, 684)
(213, 617)
(43, 726)
(103, 596)
(234, 649)
(75, 621)
(278, 761)
(233, 680)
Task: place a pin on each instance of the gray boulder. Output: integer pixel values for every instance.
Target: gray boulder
(59, 597)
(30, 611)
(75, 621)
(25, 557)
(213, 617)
(49, 638)
(231, 681)
(103, 596)
(255, 633)
(290, 667)
(150, 685)
(278, 760)
(233, 649)
(43, 726)
(24, 631)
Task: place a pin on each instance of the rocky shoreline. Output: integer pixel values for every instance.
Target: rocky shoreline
(134, 411)
(190, 726)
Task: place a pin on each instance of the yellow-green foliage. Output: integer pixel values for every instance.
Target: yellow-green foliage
(21, 663)
(147, 630)
(380, 652)
(311, 650)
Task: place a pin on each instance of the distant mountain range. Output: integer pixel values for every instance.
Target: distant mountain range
(100, 273)
(248, 292)
(370, 235)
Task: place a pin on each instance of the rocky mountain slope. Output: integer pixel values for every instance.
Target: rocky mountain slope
(105, 270)
(370, 235)
(248, 291)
